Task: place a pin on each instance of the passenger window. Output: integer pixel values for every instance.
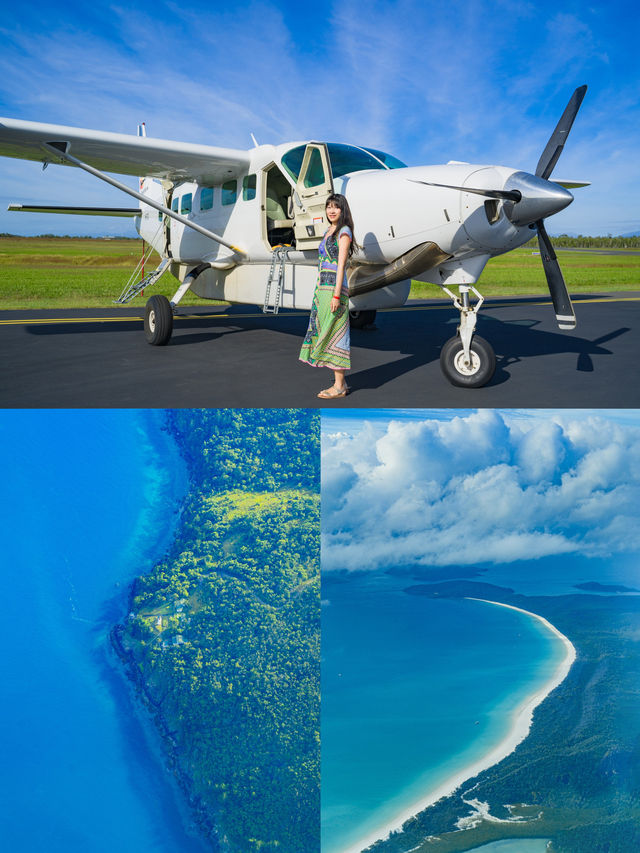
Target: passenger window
(249, 188)
(185, 203)
(229, 192)
(174, 205)
(206, 198)
(315, 172)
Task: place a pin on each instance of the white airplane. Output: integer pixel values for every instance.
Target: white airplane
(244, 226)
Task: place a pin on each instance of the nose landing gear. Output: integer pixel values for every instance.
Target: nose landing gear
(467, 359)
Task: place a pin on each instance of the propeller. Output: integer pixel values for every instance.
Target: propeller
(565, 314)
(531, 198)
(552, 152)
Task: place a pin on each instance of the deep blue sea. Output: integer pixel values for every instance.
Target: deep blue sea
(414, 690)
(88, 502)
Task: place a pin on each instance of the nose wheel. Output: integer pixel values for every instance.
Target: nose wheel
(472, 371)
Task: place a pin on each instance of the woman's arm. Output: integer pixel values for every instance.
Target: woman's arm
(343, 251)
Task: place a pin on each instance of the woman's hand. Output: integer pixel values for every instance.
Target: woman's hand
(335, 303)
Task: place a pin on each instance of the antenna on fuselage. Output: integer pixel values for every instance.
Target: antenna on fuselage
(255, 141)
(142, 131)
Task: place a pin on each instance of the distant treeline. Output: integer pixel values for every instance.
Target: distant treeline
(69, 237)
(582, 242)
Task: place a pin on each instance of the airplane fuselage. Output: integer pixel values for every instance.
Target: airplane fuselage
(393, 212)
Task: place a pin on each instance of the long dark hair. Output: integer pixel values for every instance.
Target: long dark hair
(345, 218)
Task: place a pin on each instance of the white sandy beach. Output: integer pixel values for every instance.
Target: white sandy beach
(520, 726)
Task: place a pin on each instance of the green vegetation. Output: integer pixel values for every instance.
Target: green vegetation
(74, 272)
(520, 273)
(66, 272)
(584, 242)
(223, 637)
(576, 778)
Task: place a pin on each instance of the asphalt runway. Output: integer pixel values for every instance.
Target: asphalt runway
(238, 357)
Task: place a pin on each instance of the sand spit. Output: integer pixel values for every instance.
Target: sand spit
(518, 730)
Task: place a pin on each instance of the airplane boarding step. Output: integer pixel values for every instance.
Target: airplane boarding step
(276, 277)
(133, 289)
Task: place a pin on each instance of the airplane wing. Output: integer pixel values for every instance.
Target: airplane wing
(122, 153)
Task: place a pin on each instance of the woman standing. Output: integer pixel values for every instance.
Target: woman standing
(326, 343)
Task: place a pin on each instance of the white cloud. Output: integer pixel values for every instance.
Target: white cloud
(486, 487)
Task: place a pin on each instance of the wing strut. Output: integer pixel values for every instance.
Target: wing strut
(60, 149)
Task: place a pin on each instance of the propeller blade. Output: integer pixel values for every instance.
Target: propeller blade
(565, 314)
(508, 195)
(559, 136)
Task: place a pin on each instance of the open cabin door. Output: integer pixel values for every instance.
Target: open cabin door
(314, 186)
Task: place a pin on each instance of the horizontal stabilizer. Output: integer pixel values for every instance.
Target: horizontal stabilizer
(81, 211)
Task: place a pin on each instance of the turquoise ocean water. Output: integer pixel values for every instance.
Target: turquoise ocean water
(413, 691)
(88, 502)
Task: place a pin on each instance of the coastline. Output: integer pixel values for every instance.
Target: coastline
(518, 731)
(166, 497)
(165, 492)
(191, 749)
(74, 578)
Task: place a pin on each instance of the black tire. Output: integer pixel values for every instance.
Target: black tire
(158, 321)
(475, 375)
(360, 319)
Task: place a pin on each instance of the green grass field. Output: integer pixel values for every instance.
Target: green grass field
(520, 273)
(60, 272)
(68, 272)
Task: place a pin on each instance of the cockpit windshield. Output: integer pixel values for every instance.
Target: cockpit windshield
(344, 159)
(389, 160)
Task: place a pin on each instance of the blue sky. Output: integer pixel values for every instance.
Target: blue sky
(487, 486)
(479, 81)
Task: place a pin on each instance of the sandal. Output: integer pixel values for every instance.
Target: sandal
(333, 392)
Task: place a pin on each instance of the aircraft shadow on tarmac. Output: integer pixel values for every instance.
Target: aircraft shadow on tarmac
(513, 343)
(512, 346)
(417, 335)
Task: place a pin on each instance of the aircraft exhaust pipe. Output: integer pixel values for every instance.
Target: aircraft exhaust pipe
(367, 277)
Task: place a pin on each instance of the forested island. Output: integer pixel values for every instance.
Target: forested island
(222, 638)
(576, 778)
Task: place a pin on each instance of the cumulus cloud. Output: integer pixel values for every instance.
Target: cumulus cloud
(484, 487)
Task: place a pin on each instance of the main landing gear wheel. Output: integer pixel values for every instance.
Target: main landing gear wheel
(158, 321)
(360, 319)
(477, 372)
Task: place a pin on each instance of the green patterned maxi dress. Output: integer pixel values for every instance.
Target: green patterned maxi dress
(326, 343)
